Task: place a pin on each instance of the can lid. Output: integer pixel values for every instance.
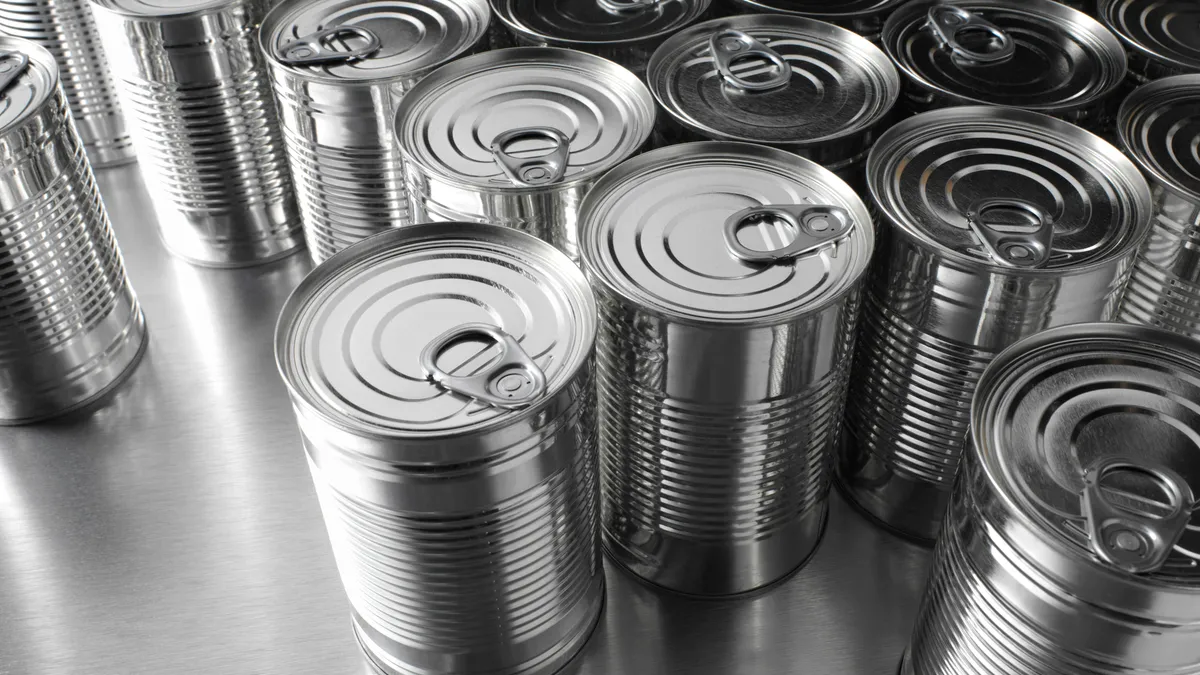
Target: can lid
(1159, 125)
(524, 118)
(436, 329)
(28, 78)
(827, 10)
(773, 79)
(1167, 31)
(1091, 433)
(1034, 54)
(1009, 189)
(161, 9)
(377, 40)
(725, 233)
(590, 22)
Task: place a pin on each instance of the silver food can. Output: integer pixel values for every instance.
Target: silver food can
(67, 30)
(72, 327)
(728, 279)
(441, 377)
(339, 67)
(800, 85)
(516, 137)
(996, 224)
(865, 17)
(1161, 36)
(194, 86)
(1073, 541)
(1036, 55)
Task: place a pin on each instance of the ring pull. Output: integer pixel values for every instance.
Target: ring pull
(512, 381)
(533, 171)
(628, 6)
(316, 48)
(12, 66)
(1026, 250)
(731, 46)
(1133, 540)
(815, 226)
(948, 23)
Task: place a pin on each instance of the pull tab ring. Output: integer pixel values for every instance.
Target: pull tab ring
(1022, 250)
(628, 6)
(730, 46)
(512, 381)
(537, 171)
(12, 66)
(948, 23)
(815, 225)
(314, 48)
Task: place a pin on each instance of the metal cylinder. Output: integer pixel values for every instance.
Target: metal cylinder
(865, 17)
(516, 137)
(1161, 36)
(727, 276)
(70, 326)
(1072, 542)
(441, 376)
(339, 68)
(194, 86)
(67, 30)
(996, 224)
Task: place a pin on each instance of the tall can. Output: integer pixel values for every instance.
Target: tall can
(805, 86)
(67, 30)
(996, 224)
(1161, 36)
(72, 326)
(728, 279)
(441, 376)
(194, 86)
(1073, 539)
(516, 137)
(339, 68)
(865, 17)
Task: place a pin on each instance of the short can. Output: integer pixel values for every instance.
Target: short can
(865, 17)
(1162, 36)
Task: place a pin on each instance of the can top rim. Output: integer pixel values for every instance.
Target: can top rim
(1108, 12)
(505, 11)
(1140, 112)
(819, 9)
(138, 9)
(32, 88)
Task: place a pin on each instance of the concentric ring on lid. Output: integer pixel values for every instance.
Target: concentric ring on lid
(161, 9)
(1159, 125)
(929, 173)
(590, 22)
(1164, 30)
(350, 339)
(828, 10)
(31, 88)
(653, 231)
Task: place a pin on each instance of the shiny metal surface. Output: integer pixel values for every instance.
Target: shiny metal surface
(1162, 36)
(194, 87)
(864, 17)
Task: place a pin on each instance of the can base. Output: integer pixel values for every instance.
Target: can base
(911, 509)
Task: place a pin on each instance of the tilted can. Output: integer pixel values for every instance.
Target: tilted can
(797, 84)
(1161, 36)
(339, 68)
(73, 328)
(194, 87)
(996, 224)
(1072, 545)
(728, 279)
(1036, 55)
(515, 137)
(67, 30)
(865, 17)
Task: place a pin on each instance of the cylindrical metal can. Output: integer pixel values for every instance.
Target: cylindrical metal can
(864, 17)
(67, 30)
(1072, 543)
(194, 85)
(339, 67)
(728, 279)
(1036, 55)
(516, 137)
(996, 224)
(441, 376)
(797, 84)
(72, 327)
(1161, 36)
(625, 32)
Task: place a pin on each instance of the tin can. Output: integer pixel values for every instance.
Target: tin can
(67, 30)
(73, 328)
(441, 376)
(996, 224)
(1074, 538)
(1161, 36)
(796, 84)
(339, 68)
(865, 17)
(728, 278)
(516, 137)
(194, 86)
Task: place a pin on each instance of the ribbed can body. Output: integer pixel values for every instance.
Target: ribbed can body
(1164, 289)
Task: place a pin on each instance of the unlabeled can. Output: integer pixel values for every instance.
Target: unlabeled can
(1072, 544)
(339, 67)
(441, 376)
(728, 279)
(996, 224)
(1161, 36)
(797, 84)
(72, 327)
(67, 30)
(194, 86)
(515, 137)
(864, 17)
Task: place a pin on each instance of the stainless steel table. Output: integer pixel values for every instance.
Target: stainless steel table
(174, 529)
